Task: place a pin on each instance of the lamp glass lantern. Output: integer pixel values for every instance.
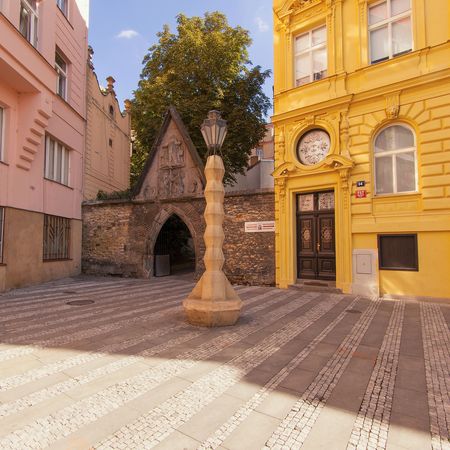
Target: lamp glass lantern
(214, 130)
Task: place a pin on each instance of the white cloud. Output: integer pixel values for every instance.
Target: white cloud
(262, 24)
(127, 34)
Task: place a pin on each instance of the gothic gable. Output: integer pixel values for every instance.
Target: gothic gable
(174, 168)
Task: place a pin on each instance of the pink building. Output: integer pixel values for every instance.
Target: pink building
(43, 53)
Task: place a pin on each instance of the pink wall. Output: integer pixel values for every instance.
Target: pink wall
(32, 107)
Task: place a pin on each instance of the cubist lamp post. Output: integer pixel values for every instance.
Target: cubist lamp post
(213, 302)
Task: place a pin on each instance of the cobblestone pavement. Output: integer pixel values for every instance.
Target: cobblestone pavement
(300, 370)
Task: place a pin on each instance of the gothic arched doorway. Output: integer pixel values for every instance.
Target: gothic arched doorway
(174, 248)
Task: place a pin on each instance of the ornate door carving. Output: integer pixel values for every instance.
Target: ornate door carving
(316, 257)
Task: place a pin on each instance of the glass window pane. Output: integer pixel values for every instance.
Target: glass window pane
(377, 13)
(66, 167)
(319, 36)
(379, 49)
(51, 159)
(303, 68)
(24, 26)
(400, 6)
(384, 175)
(60, 61)
(401, 36)
(58, 162)
(395, 137)
(302, 42)
(1, 134)
(320, 63)
(406, 172)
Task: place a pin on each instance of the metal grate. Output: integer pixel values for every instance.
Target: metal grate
(56, 237)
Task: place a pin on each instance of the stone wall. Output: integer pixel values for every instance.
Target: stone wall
(119, 236)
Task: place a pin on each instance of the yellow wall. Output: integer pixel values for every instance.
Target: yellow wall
(352, 103)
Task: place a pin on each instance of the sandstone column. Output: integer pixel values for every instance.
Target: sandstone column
(213, 301)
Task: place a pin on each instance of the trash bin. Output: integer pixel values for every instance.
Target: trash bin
(162, 265)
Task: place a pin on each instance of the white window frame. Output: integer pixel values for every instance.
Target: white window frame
(61, 74)
(32, 31)
(310, 50)
(389, 21)
(2, 133)
(60, 160)
(63, 6)
(393, 154)
(2, 231)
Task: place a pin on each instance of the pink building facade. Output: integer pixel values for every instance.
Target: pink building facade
(43, 53)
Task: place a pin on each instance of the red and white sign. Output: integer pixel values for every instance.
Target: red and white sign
(360, 193)
(260, 227)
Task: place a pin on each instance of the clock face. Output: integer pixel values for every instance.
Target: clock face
(313, 147)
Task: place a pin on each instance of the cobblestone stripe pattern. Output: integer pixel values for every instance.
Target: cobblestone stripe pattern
(294, 429)
(244, 411)
(152, 428)
(436, 347)
(45, 430)
(58, 366)
(37, 397)
(372, 423)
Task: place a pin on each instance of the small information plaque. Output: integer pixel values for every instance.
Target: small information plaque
(360, 183)
(260, 227)
(360, 193)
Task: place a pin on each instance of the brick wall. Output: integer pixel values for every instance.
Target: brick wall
(119, 236)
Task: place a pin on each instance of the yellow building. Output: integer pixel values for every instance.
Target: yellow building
(362, 150)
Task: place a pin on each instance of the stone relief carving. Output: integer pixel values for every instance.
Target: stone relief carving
(172, 154)
(392, 106)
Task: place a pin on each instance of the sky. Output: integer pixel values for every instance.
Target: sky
(121, 32)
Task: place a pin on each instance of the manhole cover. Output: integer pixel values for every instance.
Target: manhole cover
(80, 302)
(69, 292)
(353, 311)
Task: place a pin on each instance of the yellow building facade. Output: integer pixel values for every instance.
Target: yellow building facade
(362, 145)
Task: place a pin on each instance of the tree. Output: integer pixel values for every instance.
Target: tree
(203, 66)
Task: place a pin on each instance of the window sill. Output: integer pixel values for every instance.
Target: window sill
(2, 264)
(4, 163)
(396, 196)
(398, 269)
(58, 182)
(57, 260)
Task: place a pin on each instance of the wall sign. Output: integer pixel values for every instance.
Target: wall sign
(260, 227)
(360, 193)
(360, 183)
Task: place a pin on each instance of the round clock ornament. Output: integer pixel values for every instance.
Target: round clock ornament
(313, 147)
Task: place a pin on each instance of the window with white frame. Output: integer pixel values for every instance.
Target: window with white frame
(56, 161)
(2, 133)
(390, 29)
(2, 221)
(28, 23)
(61, 80)
(395, 160)
(62, 5)
(311, 56)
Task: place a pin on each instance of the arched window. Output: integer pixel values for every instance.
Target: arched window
(395, 160)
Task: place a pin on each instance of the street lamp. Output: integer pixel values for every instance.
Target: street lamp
(213, 302)
(214, 130)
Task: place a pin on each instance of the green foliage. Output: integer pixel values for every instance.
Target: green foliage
(116, 195)
(203, 66)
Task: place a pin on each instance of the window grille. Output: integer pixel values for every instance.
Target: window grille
(390, 29)
(28, 24)
(56, 238)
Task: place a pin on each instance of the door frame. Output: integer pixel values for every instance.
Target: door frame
(316, 220)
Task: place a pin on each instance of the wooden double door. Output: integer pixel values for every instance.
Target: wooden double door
(316, 256)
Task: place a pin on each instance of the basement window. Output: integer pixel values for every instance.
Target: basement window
(398, 252)
(56, 238)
